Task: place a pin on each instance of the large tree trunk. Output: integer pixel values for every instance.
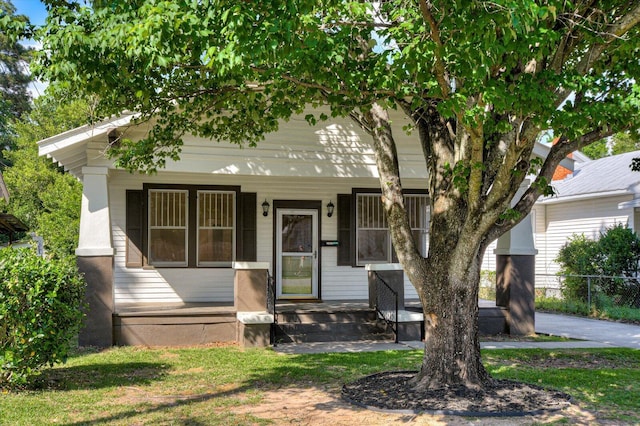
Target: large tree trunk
(447, 281)
(449, 296)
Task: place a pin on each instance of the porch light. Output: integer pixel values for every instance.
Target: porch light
(265, 208)
(330, 208)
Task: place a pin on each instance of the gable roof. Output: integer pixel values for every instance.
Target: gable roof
(76, 148)
(69, 149)
(606, 176)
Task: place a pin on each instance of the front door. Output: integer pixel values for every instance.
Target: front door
(297, 253)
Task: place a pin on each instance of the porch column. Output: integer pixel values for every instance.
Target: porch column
(95, 258)
(515, 275)
(251, 300)
(390, 273)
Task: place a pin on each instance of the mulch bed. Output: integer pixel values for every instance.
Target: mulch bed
(391, 391)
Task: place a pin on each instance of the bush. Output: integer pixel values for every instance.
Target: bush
(40, 313)
(579, 256)
(615, 253)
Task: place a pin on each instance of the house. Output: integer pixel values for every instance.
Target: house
(303, 205)
(597, 195)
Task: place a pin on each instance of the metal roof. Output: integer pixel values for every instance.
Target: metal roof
(605, 176)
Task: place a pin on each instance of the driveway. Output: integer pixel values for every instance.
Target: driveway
(607, 332)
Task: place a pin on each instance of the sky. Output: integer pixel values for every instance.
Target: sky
(37, 13)
(34, 9)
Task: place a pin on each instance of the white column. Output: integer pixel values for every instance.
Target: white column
(516, 276)
(519, 240)
(95, 221)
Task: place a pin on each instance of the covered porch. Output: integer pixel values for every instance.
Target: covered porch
(155, 324)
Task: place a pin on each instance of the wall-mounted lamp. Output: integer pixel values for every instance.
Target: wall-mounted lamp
(265, 208)
(330, 208)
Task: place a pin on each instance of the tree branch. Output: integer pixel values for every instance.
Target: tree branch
(441, 74)
(326, 89)
(614, 32)
(560, 150)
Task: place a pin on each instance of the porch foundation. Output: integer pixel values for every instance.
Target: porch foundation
(97, 329)
(390, 273)
(253, 327)
(515, 290)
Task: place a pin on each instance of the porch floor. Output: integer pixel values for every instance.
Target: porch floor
(331, 305)
(205, 308)
(172, 309)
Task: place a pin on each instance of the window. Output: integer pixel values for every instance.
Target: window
(419, 218)
(191, 227)
(216, 224)
(168, 213)
(373, 240)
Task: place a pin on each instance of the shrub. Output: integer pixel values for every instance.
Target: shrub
(615, 253)
(579, 256)
(40, 313)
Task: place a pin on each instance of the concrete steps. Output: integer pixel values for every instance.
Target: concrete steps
(305, 326)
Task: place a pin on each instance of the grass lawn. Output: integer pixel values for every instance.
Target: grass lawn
(129, 385)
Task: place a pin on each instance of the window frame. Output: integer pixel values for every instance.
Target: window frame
(150, 227)
(234, 230)
(192, 224)
(391, 256)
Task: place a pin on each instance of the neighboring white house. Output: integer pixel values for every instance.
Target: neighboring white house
(172, 237)
(597, 195)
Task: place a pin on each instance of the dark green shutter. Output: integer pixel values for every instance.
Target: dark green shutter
(247, 232)
(345, 254)
(134, 228)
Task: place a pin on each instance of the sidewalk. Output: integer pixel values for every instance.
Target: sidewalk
(592, 334)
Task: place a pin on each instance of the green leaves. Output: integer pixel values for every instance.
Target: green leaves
(40, 313)
(229, 70)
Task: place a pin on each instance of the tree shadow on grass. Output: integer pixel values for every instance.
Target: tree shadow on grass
(229, 399)
(97, 376)
(168, 403)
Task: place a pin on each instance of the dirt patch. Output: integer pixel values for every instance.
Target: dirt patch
(315, 406)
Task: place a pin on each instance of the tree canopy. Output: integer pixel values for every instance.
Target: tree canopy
(14, 75)
(619, 143)
(45, 198)
(479, 81)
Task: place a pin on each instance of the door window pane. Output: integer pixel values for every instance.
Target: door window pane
(297, 275)
(297, 233)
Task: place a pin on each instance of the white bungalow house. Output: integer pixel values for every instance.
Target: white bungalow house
(598, 194)
(303, 205)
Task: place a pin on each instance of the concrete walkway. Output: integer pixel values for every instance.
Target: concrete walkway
(592, 334)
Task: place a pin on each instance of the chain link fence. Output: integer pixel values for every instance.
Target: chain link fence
(595, 290)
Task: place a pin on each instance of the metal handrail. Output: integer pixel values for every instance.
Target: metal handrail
(392, 324)
(271, 307)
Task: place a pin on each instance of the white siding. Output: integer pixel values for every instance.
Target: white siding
(337, 148)
(216, 284)
(557, 222)
(489, 259)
